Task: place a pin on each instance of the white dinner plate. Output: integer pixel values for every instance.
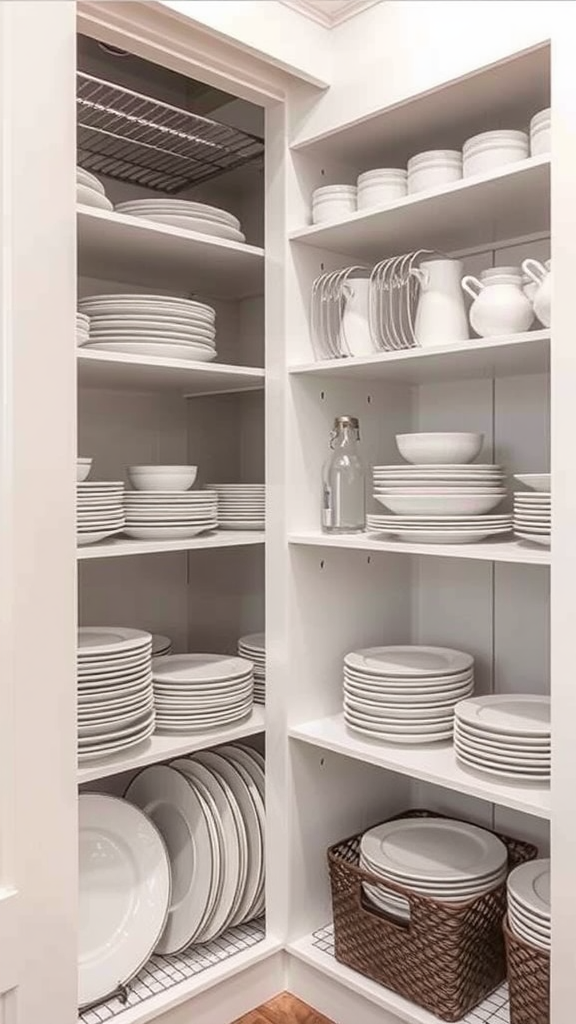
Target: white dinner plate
(518, 775)
(172, 335)
(495, 758)
(106, 749)
(124, 893)
(179, 727)
(192, 353)
(408, 660)
(508, 714)
(433, 850)
(88, 196)
(135, 308)
(201, 209)
(101, 641)
(529, 884)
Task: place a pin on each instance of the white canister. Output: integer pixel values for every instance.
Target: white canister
(355, 335)
(433, 169)
(541, 278)
(441, 313)
(500, 306)
(376, 188)
(490, 150)
(541, 140)
(333, 203)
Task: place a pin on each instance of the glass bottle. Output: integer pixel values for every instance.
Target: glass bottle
(344, 480)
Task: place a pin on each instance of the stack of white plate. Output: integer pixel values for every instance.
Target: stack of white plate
(448, 861)
(155, 325)
(489, 150)
(331, 202)
(383, 185)
(170, 515)
(196, 692)
(90, 190)
(529, 902)
(241, 506)
(209, 809)
(506, 735)
(115, 698)
(180, 213)
(541, 132)
(82, 328)
(434, 168)
(253, 647)
(99, 510)
(533, 509)
(405, 694)
(161, 645)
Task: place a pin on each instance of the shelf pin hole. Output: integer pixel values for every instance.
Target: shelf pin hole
(369, 559)
(322, 762)
(322, 395)
(369, 399)
(321, 266)
(322, 564)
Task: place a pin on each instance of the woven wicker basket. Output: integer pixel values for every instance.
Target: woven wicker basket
(446, 959)
(528, 980)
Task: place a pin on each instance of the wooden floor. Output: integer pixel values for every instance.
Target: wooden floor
(284, 1009)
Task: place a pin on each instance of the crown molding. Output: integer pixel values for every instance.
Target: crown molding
(329, 13)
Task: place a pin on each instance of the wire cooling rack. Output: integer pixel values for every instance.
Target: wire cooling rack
(134, 138)
(163, 972)
(494, 1009)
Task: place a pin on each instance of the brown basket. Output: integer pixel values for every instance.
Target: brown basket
(528, 980)
(447, 958)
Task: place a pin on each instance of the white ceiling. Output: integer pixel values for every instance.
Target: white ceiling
(329, 12)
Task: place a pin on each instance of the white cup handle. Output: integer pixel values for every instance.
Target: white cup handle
(470, 284)
(534, 270)
(421, 275)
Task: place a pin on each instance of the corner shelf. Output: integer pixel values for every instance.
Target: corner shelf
(164, 748)
(119, 547)
(487, 551)
(513, 355)
(118, 371)
(509, 202)
(118, 247)
(435, 763)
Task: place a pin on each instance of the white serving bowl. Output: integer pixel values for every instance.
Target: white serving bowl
(440, 448)
(162, 478)
(537, 481)
(83, 467)
(441, 504)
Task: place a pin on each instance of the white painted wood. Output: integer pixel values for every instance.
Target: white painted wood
(125, 546)
(98, 369)
(491, 551)
(165, 748)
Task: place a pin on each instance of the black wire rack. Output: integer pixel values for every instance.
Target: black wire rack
(141, 140)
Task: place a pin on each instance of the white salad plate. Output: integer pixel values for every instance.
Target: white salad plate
(101, 641)
(409, 660)
(125, 891)
(526, 715)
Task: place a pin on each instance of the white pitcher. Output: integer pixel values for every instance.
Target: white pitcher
(500, 306)
(542, 278)
(355, 327)
(441, 314)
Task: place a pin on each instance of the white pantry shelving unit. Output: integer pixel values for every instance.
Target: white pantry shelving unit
(263, 411)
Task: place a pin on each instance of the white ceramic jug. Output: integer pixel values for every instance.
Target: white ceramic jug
(500, 306)
(355, 327)
(542, 296)
(441, 314)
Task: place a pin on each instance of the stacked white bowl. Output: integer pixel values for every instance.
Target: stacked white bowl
(529, 902)
(506, 735)
(541, 132)
(99, 510)
(253, 647)
(241, 506)
(331, 202)
(383, 185)
(195, 692)
(82, 328)
(83, 467)
(433, 168)
(207, 220)
(90, 190)
(533, 509)
(449, 861)
(161, 507)
(440, 497)
(489, 150)
(405, 694)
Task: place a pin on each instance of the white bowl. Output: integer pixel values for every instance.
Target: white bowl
(162, 478)
(439, 448)
(441, 504)
(83, 467)
(537, 481)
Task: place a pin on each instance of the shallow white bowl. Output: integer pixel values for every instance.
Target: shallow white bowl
(441, 504)
(83, 467)
(162, 478)
(453, 448)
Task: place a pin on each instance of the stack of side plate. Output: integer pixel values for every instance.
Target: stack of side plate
(180, 213)
(449, 861)
(125, 890)
(253, 647)
(90, 191)
(99, 510)
(241, 506)
(533, 516)
(196, 692)
(169, 515)
(154, 325)
(209, 809)
(506, 735)
(529, 902)
(115, 697)
(405, 694)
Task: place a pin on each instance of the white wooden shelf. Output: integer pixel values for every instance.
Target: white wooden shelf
(509, 202)
(117, 371)
(435, 763)
(513, 355)
(117, 247)
(118, 547)
(164, 748)
(487, 551)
